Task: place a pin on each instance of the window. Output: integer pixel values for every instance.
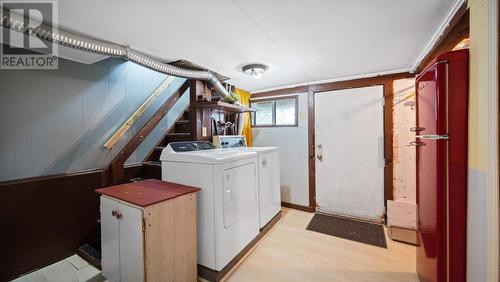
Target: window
(274, 112)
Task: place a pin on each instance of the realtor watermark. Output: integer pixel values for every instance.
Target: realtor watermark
(22, 51)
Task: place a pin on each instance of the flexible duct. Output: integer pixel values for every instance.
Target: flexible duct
(17, 22)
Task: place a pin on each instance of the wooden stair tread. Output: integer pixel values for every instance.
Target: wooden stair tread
(175, 134)
(152, 163)
(182, 121)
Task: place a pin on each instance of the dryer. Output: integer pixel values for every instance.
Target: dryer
(227, 211)
(268, 170)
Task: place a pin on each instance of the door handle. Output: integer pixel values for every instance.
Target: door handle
(417, 143)
(320, 157)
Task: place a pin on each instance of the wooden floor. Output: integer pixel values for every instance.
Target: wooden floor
(291, 253)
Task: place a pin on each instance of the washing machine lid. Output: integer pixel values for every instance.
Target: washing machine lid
(201, 152)
(261, 149)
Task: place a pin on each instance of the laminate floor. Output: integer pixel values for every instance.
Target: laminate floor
(289, 252)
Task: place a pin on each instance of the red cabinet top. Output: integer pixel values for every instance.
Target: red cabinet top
(147, 192)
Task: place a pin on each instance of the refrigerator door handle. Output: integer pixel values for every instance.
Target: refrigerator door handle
(417, 143)
(417, 129)
(433, 137)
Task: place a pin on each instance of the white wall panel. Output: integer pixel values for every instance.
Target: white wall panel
(294, 162)
(57, 121)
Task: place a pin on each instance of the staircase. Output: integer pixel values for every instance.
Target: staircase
(181, 131)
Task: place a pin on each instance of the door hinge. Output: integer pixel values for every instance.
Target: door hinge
(143, 225)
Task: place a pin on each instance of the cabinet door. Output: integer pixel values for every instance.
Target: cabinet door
(269, 186)
(131, 244)
(110, 240)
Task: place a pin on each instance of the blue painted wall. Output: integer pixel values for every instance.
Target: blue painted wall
(57, 121)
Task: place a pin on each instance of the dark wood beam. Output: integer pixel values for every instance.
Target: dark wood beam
(311, 141)
(285, 91)
(114, 172)
(330, 86)
(199, 116)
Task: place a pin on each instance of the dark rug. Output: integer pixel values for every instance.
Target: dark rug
(359, 231)
(91, 253)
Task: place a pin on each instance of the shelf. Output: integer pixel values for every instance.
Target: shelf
(224, 106)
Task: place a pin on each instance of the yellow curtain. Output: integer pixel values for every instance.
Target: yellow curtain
(244, 98)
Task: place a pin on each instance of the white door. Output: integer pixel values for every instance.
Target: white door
(131, 244)
(350, 152)
(269, 186)
(110, 240)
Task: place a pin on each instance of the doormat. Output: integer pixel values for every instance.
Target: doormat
(359, 231)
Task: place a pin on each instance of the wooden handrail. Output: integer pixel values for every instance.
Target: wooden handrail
(114, 172)
(138, 113)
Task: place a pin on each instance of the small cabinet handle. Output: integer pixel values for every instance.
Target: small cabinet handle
(116, 214)
(264, 163)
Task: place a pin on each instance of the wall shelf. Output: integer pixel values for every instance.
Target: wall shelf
(224, 106)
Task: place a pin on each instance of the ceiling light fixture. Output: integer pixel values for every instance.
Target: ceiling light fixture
(255, 70)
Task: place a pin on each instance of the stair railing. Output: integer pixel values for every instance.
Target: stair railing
(138, 113)
(114, 172)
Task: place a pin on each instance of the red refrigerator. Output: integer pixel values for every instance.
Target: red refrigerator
(441, 150)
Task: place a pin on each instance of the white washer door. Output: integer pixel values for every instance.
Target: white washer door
(236, 208)
(269, 186)
(239, 194)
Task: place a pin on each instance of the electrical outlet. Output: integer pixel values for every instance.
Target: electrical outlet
(204, 131)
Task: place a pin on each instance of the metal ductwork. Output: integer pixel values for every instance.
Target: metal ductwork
(17, 22)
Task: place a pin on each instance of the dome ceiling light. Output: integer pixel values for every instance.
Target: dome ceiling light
(255, 70)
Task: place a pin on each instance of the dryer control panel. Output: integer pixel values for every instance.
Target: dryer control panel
(229, 141)
(189, 146)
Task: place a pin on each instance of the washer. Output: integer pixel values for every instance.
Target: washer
(228, 213)
(268, 173)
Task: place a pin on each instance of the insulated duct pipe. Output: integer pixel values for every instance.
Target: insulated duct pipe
(17, 22)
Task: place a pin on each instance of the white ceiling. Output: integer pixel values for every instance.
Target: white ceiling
(300, 40)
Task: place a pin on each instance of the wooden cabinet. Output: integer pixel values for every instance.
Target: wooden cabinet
(148, 231)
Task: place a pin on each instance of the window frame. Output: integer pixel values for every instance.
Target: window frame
(274, 99)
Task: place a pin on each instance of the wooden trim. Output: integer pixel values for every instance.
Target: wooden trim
(285, 91)
(213, 275)
(298, 207)
(114, 172)
(252, 100)
(360, 82)
(296, 123)
(311, 137)
(457, 30)
(61, 175)
(388, 142)
(337, 85)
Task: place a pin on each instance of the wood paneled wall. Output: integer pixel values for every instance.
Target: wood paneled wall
(46, 219)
